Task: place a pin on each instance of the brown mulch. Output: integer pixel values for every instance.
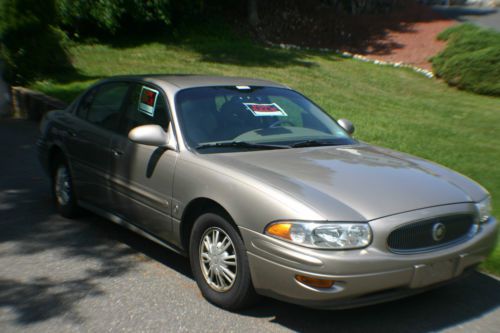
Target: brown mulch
(406, 34)
(416, 45)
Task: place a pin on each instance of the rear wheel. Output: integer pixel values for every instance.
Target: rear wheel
(62, 189)
(220, 264)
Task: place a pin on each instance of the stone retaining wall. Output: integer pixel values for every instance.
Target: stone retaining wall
(30, 104)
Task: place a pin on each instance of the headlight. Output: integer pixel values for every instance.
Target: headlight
(484, 209)
(339, 235)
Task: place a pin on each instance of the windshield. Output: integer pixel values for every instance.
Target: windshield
(226, 117)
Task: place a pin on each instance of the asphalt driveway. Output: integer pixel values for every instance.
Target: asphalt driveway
(482, 16)
(59, 275)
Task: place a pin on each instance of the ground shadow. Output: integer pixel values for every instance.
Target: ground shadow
(216, 46)
(319, 25)
(216, 43)
(30, 227)
(451, 305)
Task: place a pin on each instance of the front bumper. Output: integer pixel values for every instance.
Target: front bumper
(365, 276)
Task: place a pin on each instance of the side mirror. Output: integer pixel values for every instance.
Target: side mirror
(346, 125)
(153, 135)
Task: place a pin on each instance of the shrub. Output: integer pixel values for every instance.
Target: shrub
(109, 17)
(29, 45)
(471, 60)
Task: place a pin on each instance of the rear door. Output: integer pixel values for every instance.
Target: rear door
(89, 138)
(142, 176)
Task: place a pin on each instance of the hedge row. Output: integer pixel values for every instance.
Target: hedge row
(471, 60)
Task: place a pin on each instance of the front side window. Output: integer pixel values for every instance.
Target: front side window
(218, 116)
(102, 105)
(145, 105)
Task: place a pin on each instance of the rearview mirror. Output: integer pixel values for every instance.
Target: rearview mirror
(153, 135)
(346, 125)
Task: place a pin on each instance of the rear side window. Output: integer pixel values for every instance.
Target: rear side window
(102, 105)
(145, 105)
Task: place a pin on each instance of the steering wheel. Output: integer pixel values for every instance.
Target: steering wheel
(279, 122)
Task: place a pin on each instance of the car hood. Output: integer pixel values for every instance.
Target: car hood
(359, 182)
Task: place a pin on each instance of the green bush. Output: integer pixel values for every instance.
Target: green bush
(29, 45)
(471, 60)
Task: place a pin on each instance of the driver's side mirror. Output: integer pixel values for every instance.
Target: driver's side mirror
(346, 125)
(153, 135)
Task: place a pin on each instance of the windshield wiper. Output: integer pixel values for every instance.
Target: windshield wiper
(313, 143)
(240, 144)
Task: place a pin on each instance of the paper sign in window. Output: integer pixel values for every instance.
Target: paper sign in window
(147, 101)
(265, 110)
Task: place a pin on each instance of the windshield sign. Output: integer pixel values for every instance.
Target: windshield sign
(235, 119)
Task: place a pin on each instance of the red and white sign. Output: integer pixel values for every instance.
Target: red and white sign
(147, 101)
(265, 110)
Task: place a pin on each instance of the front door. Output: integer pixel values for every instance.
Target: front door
(142, 176)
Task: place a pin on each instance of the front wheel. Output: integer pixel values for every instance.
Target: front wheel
(220, 264)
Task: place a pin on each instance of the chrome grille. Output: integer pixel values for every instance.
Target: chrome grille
(419, 235)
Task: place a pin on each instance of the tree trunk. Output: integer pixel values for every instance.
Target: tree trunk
(253, 13)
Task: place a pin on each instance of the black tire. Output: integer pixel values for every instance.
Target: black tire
(69, 207)
(242, 293)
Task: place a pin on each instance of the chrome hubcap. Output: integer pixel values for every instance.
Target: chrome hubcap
(218, 259)
(63, 189)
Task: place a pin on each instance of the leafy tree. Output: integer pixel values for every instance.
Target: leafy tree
(356, 7)
(29, 43)
(109, 17)
(253, 14)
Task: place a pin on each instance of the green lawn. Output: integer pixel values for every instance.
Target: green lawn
(396, 108)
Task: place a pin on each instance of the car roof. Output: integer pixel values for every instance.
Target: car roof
(184, 81)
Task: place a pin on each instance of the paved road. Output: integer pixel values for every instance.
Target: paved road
(485, 17)
(59, 275)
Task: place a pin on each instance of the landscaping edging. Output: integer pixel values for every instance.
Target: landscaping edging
(30, 104)
(360, 57)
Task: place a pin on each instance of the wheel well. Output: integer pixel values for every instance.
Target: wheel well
(55, 154)
(196, 208)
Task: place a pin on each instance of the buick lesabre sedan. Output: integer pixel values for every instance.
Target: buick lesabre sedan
(263, 191)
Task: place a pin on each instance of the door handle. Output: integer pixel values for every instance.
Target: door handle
(117, 152)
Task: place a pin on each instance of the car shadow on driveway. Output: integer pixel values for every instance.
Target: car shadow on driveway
(448, 306)
(454, 304)
(459, 302)
(464, 300)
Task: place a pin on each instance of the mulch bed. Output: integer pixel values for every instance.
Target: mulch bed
(406, 34)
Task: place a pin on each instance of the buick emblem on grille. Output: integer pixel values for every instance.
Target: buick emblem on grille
(438, 231)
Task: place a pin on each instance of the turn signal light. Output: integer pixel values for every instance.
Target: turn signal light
(281, 230)
(315, 282)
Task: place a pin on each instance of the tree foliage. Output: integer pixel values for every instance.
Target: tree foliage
(109, 17)
(30, 45)
(362, 6)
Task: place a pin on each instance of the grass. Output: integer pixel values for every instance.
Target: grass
(392, 107)
(471, 59)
